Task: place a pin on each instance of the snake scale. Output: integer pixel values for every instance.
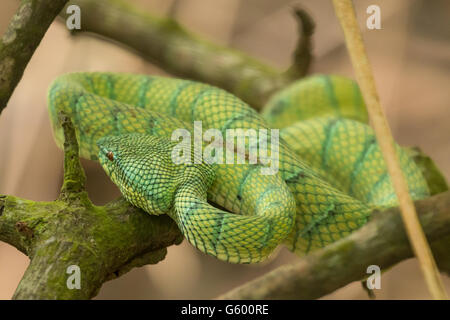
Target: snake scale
(331, 174)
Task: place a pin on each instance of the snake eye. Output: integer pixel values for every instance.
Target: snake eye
(110, 156)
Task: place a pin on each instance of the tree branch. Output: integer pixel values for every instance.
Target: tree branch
(381, 242)
(104, 242)
(165, 43)
(21, 39)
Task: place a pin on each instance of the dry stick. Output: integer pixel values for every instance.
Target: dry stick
(346, 14)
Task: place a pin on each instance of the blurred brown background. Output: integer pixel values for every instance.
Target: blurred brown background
(411, 60)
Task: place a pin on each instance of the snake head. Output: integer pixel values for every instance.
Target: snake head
(141, 166)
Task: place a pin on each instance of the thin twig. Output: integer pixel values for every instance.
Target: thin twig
(347, 17)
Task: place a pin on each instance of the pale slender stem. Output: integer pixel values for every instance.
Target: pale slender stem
(346, 14)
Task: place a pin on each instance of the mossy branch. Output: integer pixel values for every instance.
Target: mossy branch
(74, 177)
(381, 242)
(24, 33)
(167, 44)
(103, 241)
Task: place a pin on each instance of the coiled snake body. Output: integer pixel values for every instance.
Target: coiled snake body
(331, 172)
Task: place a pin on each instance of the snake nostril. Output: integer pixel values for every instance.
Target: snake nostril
(110, 155)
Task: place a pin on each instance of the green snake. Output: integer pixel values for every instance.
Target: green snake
(330, 177)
